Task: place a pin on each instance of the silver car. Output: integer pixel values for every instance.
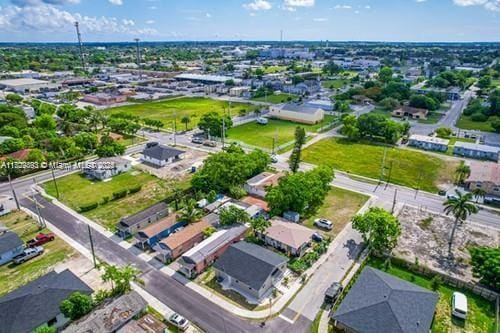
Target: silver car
(179, 321)
(323, 223)
(28, 254)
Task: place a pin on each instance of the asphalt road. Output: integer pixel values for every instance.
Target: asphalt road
(205, 314)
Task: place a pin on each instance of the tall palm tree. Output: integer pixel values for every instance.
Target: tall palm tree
(191, 213)
(461, 207)
(479, 193)
(461, 173)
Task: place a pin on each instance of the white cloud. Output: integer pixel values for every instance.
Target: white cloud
(299, 3)
(116, 2)
(493, 5)
(368, 7)
(208, 15)
(258, 5)
(23, 3)
(320, 19)
(150, 22)
(152, 7)
(342, 7)
(420, 1)
(128, 22)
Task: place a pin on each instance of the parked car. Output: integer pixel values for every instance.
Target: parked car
(29, 253)
(197, 140)
(333, 292)
(323, 223)
(274, 158)
(209, 143)
(459, 305)
(317, 237)
(40, 239)
(179, 321)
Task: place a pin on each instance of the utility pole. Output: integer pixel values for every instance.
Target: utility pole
(389, 176)
(394, 200)
(138, 55)
(175, 128)
(223, 132)
(92, 246)
(13, 192)
(80, 45)
(55, 182)
(41, 221)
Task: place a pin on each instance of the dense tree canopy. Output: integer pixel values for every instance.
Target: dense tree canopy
(379, 228)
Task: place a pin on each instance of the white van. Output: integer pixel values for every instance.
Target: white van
(459, 305)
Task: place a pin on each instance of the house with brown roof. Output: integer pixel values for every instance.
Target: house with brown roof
(486, 176)
(292, 238)
(254, 201)
(176, 244)
(257, 185)
(411, 112)
(151, 235)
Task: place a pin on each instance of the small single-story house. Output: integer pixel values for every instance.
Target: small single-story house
(408, 111)
(160, 155)
(37, 303)
(129, 225)
(486, 176)
(256, 202)
(428, 142)
(173, 246)
(380, 302)
(151, 235)
(194, 261)
(106, 167)
(10, 246)
(111, 316)
(292, 238)
(145, 324)
(257, 185)
(475, 150)
(297, 113)
(249, 269)
(212, 207)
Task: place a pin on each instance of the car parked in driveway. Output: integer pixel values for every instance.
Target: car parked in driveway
(179, 321)
(459, 305)
(323, 223)
(40, 239)
(29, 253)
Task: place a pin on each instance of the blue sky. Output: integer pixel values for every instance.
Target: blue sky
(369, 20)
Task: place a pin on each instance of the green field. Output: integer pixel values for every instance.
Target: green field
(76, 191)
(262, 135)
(274, 69)
(339, 206)
(464, 122)
(409, 168)
(14, 276)
(167, 110)
(334, 84)
(277, 98)
(481, 313)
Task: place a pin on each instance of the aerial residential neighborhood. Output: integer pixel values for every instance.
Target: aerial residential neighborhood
(249, 166)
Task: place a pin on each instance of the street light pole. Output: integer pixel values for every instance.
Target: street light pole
(55, 182)
(92, 246)
(13, 192)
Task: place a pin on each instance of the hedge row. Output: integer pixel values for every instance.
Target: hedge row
(115, 196)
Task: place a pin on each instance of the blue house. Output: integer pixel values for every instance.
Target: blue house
(150, 236)
(10, 246)
(474, 150)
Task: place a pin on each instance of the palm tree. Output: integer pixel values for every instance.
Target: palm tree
(461, 208)
(185, 120)
(461, 173)
(191, 213)
(479, 193)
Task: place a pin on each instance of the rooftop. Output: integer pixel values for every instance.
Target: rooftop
(175, 240)
(429, 139)
(21, 82)
(159, 226)
(289, 233)
(161, 152)
(484, 172)
(143, 214)
(477, 146)
(299, 108)
(8, 241)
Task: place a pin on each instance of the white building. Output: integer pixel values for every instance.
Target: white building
(297, 113)
(28, 85)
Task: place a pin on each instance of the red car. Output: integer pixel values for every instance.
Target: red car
(40, 239)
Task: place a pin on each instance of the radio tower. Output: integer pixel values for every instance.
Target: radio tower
(80, 45)
(138, 55)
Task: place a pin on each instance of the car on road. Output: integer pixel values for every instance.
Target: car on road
(197, 140)
(179, 321)
(442, 193)
(209, 143)
(40, 239)
(323, 223)
(333, 292)
(459, 305)
(29, 253)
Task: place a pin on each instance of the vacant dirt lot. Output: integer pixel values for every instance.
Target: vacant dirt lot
(425, 236)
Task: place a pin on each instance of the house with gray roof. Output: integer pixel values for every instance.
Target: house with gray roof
(475, 150)
(10, 246)
(131, 224)
(380, 302)
(106, 167)
(160, 155)
(250, 270)
(37, 303)
(299, 113)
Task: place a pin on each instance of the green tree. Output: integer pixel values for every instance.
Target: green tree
(231, 215)
(110, 149)
(186, 120)
(86, 141)
(379, 228)
(295, 157)
(211, 123)
(45, 122)
(14, 98)
(119, 277)
(485, 263)
(462, 172)
(45, 329)
(209, 231)
(461, 208)
(190, 213)
(259, 225)
(390, 103)
(444, 132)
(385, 74)
(76, 306)
(350, 127)
(484, 82)
(479, 193)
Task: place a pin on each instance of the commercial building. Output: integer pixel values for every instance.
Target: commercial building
(24, 86)
(297, 113)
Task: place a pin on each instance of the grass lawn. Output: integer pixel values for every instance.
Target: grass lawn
(481, 312)
(262, 135)
(340, 206)
(274, 69)
(382, 111)
(76, 191)
(167, 110)
(432, 117)
(334, 84)
(465, 122)
(277, 98)
(14, 276)
(410, 168)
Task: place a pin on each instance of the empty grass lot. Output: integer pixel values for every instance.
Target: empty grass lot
(334, 84)
(277, 98)
(409, 168)
(340, 206)
(274, 69)
(465, 122)
(14, 276)
(481, 313)
(167, 110)
(76, 190)
(262, 135)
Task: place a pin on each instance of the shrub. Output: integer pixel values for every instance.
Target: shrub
(436, 282)
(479, 117)
(88, 207)
(237, 192)
(104, 200)
(119, 194)
(135, 189)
